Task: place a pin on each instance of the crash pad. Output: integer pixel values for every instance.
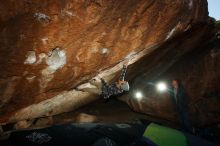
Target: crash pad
(164, 136)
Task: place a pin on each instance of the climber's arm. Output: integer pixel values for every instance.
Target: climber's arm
(123, 73)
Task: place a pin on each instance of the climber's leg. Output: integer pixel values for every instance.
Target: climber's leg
(92, 90)
(96, 82)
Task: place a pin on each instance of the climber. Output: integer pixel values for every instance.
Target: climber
(106, 90)
(115, 88)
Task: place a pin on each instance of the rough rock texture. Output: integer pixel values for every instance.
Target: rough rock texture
(200, 75)
(50, 47)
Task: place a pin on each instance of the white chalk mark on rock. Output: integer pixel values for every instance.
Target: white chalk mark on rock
(104, 50)
(41, 17)
(30, 78)
(30, 57)
(130, 55)
(171, 33)
(67, 13)
(55, 60)
(41, 56)
(44, 40)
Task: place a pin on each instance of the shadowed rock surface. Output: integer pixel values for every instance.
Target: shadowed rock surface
(49, 48)
(199, 73)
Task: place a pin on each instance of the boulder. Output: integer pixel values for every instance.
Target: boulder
(50, 48)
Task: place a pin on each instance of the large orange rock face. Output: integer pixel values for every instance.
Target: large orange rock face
(50, 46)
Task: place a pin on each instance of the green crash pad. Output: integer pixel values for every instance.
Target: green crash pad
(164, 136)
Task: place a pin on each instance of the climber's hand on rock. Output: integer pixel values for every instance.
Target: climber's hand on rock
(126, 64)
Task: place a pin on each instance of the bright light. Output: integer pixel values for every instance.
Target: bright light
(138, 95)
(161, 87)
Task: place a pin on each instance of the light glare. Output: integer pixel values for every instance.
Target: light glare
(138, 95)
(161, 87)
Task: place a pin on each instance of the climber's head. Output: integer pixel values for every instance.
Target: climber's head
(123, 85)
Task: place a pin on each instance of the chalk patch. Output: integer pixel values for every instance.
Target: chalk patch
(130, 55)
(44, 40)
(78, 57)
(68, 13)
(104, 51)
(30, 78)
(71, 14)
(170, 34)
(47, 76)
(56, 59)
(41, 56)
(86, 85)
(41, 17)
(104, 33)
(30, 57)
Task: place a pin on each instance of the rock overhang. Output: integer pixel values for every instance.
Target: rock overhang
(50, 48)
